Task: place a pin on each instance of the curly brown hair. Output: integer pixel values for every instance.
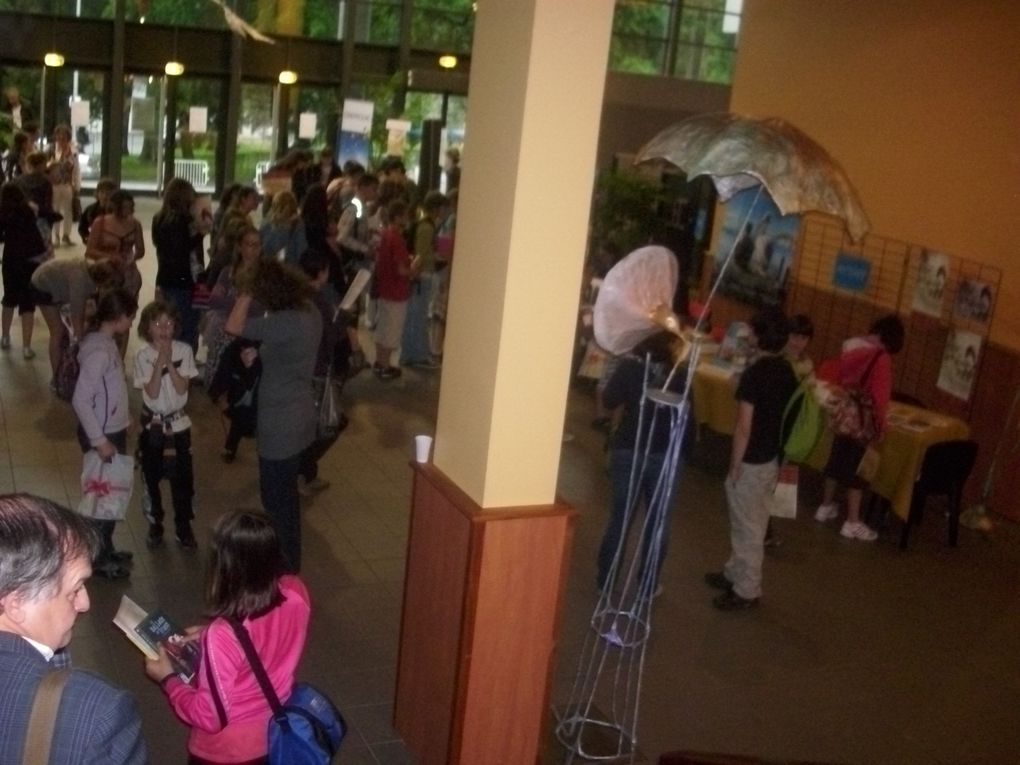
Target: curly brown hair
(280, 286)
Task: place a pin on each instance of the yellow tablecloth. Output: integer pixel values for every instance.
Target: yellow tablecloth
(911, 431)
(712, 391)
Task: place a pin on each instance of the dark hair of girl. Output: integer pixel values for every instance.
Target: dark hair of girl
(153, 311)
(12, 198)
(118, 199)
(112, 305)
(890, 332)
(178, 196)
(244, 567)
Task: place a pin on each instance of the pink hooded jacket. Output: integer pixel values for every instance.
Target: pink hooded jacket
(279, 637)
(857, 354)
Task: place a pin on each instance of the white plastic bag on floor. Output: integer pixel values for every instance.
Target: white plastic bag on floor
(106, 486)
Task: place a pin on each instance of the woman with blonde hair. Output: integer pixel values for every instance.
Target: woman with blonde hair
(283, 231)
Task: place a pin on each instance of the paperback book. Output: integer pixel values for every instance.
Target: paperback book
(149, 630)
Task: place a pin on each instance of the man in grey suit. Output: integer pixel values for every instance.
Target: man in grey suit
(45, 554)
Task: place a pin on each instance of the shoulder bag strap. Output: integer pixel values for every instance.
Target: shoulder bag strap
(256, 665)
(871, 365)
(43, 719)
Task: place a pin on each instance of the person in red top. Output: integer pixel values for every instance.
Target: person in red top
(393, 274)
(865, 362)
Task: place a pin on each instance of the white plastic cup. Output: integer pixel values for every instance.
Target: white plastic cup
(422, 447)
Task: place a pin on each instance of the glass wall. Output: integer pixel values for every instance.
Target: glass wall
(184, 13)
(255, 134)
(443, 25)
(143, 110)
(80, 106)
(94, 9)
(692, 39)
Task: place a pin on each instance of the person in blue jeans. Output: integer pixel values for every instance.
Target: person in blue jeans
(624, 391)
(289, 335)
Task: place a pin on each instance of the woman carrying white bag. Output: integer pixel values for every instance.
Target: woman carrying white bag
(101, 403)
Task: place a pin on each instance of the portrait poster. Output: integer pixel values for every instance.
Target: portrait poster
(762, 241)
(929, 290)
(959, 364)
(974, 300)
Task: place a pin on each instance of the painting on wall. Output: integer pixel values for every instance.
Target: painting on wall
(930, 288)
(974, 300)
(959, 364)
(762, 240)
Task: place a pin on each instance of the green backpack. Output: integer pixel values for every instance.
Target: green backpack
(802, 423)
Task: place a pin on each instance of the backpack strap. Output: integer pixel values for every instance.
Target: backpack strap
(43, 719)
(260, 671)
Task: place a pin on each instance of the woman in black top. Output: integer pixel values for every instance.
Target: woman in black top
(24, 249)
(177, 237)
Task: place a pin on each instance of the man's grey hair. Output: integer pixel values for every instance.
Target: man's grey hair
(37, 539)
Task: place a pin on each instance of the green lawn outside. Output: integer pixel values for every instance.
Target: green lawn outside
(248, 155)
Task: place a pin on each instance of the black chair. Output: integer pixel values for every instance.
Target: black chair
(944, 471)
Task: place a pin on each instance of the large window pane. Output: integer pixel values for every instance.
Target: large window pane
(443, 25)
(378, 21)
(184, 13)
(255, 139)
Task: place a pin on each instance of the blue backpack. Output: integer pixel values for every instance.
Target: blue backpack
(305, 730)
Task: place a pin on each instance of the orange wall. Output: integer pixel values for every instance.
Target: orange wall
(919, 100)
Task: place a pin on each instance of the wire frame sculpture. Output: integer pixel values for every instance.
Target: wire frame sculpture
(612, 659)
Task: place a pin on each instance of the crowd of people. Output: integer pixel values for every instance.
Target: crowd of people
(253, 314)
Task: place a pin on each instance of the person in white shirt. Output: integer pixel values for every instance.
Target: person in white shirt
(163, 369)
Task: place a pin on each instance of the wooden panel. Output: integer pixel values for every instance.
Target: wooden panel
(521, 572)
(427, 665)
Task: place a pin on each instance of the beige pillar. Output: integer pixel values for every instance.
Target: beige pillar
(538, 71)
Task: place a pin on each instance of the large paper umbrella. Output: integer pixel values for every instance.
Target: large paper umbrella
(740, 152)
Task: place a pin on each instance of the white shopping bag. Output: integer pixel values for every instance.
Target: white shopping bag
(783, 502)
(106, 486)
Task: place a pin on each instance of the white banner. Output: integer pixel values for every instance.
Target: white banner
(198, 119)
(357, 116)
(306, 124)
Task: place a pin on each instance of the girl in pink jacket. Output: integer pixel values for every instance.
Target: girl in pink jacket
(225, 708)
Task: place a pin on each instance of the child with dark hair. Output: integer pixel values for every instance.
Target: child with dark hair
(393, 274)
(101, 403)
(247, 587)
(802, 329)
(764, 390)
(163, 370)
(865, 362)
(104, 188)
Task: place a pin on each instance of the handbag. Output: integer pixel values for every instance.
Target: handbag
(106, 486)
(328, 424)
(306, 730)
(852, 409)
(66, 376)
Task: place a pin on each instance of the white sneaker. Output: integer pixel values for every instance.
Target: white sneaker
(858, 531)
(826, 512)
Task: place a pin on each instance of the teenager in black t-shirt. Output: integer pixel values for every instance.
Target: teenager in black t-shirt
(764, 389)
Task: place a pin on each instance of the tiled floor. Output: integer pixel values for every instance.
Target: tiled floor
(858, 653)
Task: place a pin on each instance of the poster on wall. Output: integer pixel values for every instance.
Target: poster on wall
(762, 241)
(974, 300)
(355, 129)
(959, 364)
(929, 290)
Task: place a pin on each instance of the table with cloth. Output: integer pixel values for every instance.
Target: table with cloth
(911, 431)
